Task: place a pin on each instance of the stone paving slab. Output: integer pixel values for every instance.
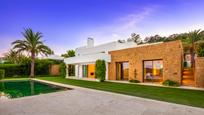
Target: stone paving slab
(81, 101)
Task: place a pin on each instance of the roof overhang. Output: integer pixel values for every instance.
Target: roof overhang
(91, 58)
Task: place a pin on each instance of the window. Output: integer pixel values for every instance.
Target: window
(85, 70)
(122, 70)
(153, 71)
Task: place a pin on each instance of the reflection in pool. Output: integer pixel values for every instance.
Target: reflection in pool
(15, 89)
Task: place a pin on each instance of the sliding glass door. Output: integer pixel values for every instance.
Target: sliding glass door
(85, 70)
(122, 70)
(153, 71)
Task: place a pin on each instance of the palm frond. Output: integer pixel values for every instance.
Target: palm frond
(31, 43)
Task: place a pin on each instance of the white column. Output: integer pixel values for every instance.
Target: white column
(80, 71)
(106, 70)
(76, 71)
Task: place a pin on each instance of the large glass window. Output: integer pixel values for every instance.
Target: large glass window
(85, 70)
(71, 70)
(153, 71)
(122, 72)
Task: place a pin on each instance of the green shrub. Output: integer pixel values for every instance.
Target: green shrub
(134, 81)
(2, 73)
(42, 66)
(170, 83)
(200, 49)
(184, 64)
(63, 70)
(100, 70)
(13, 69)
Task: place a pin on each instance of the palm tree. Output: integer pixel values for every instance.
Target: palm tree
(192, 38)
(69, 53)
(11, 56)
(33, 45)
(15, 57)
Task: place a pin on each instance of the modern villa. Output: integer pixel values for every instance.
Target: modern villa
(86, 57)
(154, 62)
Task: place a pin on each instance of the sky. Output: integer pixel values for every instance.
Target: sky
(66, 24)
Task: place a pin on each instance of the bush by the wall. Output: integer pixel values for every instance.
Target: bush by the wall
(63, 70)
(100, 70)
(200, 49)
(170, 83)
(42, 66)
(134, 81)
(2, 74)
(13, 69)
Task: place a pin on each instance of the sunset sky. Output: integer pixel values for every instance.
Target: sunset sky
(66, 24)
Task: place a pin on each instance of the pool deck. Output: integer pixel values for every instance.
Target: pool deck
(82, 101)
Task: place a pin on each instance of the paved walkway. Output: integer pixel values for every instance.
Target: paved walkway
(82, 101)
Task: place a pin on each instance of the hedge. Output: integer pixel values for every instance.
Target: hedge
(14, 69)
(200, 49)
(63, 70)
(2, 74)
(100, 70)
(42, 67)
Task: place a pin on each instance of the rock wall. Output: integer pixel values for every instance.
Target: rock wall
(170, 52)
(199, 72)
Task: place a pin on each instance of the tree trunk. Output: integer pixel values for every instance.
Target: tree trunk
(32, 65)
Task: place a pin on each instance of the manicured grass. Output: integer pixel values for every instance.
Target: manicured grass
(14, 79)
(174, 95)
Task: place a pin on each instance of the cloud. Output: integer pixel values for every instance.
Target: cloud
(131, 20)
(121, 27)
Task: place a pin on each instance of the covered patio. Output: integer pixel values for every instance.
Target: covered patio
(85, 65)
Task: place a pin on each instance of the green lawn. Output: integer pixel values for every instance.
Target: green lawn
(174, 95)
(14, 79)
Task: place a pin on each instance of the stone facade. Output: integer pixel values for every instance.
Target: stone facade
(169, 52)
(199, 72)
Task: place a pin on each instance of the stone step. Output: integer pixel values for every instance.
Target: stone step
(187, 72)
(188, 82)
(188, 77)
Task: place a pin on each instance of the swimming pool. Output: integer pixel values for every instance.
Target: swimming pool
(15, 89)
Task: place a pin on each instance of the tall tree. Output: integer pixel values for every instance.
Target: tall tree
(155, 38)
(16, 58)
(32, 44)
(135, 37)
(11, 56)
(192, 38)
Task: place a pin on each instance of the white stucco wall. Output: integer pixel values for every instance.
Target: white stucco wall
(80, 75)
(104, 48)
(76, 70)
(90, 53)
